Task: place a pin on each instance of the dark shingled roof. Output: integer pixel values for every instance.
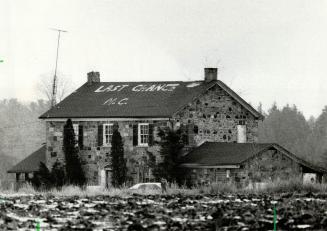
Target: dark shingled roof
(218, 153)
(148, 99)
(31, 163)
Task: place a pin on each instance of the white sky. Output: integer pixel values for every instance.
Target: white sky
(266, 50)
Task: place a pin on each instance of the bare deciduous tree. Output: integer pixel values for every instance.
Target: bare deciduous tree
(45, 86)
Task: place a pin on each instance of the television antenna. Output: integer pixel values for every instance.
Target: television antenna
(54, 84)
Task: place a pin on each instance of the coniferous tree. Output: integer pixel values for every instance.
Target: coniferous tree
(287, 127)
(119, 170)
(317, 141)
(74, 171)
(171, 146)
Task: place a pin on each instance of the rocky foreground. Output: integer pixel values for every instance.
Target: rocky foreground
(170, 212)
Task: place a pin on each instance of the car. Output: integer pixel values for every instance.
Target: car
(146, 186)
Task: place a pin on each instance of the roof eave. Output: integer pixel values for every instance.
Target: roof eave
(201, 165)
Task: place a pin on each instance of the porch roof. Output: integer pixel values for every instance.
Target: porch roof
(31, 163)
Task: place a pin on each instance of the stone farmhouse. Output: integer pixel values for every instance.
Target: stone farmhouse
(221, 130)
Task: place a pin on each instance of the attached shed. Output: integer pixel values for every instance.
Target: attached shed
(245, 163)
(25, 169)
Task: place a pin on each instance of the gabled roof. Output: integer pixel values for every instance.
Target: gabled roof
(31, 163)
(219, 154)
(135, 99)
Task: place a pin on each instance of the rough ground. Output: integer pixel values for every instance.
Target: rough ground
(171, 212)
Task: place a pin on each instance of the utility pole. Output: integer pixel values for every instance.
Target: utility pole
(54, 84)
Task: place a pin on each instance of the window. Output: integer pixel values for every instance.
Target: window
(107, 134)
(143, 135)
(75, 126)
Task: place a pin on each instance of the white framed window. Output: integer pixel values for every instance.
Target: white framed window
(76, 131)
(107, 134)
(143, 134)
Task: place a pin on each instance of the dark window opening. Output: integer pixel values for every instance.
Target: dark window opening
(53, 154)
(196, 129)
(241, 122)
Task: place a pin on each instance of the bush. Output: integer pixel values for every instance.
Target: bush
(42, 180)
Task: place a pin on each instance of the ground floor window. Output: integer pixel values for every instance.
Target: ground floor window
(143, 135)
(76, 132)
(107, 134)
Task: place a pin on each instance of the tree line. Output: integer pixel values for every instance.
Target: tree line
(21, 131)
(288, 127)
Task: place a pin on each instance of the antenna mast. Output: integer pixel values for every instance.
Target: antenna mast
(54, 84)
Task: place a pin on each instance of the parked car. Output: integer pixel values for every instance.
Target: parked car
(146, 186)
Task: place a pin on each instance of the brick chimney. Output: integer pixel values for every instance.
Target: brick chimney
(210, 74)
(93, 77)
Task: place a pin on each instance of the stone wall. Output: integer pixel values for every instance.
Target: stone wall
(268, 166)
(95, 157)
(214, 116)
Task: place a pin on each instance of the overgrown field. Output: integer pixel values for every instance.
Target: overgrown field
(215, 207)
(180, 209)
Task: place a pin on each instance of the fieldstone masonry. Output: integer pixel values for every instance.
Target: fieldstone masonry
(266, 167)
(213, 116)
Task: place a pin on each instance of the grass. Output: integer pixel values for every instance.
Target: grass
(276, 187)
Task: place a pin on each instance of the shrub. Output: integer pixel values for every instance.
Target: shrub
(42, 180)
(58, 175)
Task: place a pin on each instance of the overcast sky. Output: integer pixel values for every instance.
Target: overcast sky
(265, 50)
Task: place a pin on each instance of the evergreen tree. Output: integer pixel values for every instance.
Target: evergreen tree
(118, 162)
(287, 127)
(74, 171)
(317, 141)
(171, 146)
